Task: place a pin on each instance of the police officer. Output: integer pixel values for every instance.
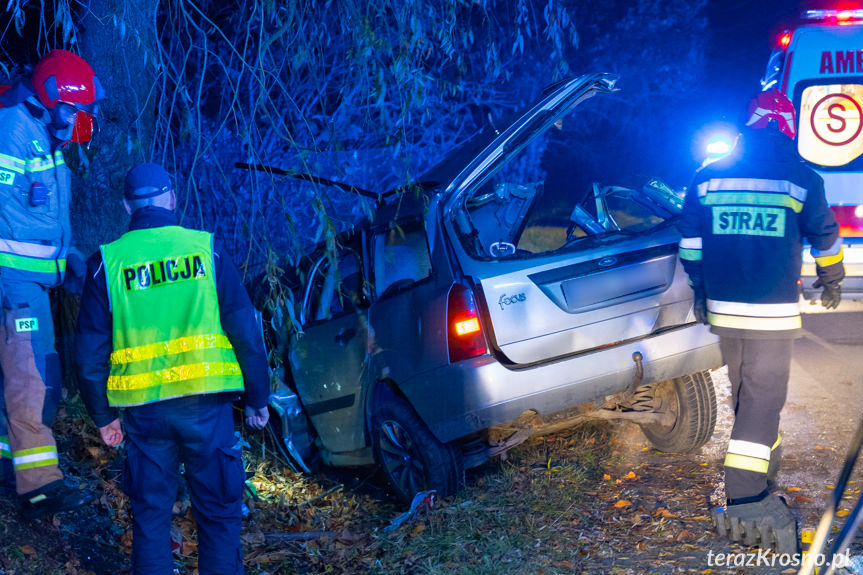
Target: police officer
(744, 221)
(38, 117)
(167, 332)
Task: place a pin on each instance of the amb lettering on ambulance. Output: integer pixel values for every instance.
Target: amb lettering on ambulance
(168, 271)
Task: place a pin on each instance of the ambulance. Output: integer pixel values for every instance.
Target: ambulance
(818, 64)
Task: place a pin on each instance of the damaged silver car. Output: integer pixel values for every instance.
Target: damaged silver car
(504, 295)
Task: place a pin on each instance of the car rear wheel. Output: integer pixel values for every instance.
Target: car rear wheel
(411, 458)
(692, 401)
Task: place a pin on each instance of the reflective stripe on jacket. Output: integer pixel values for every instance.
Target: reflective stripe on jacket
(167, 335)
(34, 221)
(744, 221)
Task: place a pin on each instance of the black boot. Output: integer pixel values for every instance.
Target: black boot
(53, 498)
(766, 523)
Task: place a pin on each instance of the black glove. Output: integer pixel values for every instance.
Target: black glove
(831, 295)
(699, 306)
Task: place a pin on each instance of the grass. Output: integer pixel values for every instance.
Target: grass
(516, 516)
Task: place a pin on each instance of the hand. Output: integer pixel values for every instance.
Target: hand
(831, 295)
(699, 305)
(112, 434)
(257, 418)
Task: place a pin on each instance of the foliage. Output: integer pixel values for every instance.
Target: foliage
(367, 93)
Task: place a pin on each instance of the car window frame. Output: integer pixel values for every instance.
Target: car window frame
(350, 246)
(406, 226)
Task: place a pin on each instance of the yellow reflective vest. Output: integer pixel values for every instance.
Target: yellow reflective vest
(167, 335)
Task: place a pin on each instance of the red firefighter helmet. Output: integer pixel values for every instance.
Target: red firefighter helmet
(62, 77)
(772, 106)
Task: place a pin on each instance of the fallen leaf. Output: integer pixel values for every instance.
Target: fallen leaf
(700, 518)
(663, 512)
(842, 513)
(819, 447)
(564, 564)
(630, 475)
(683, 536)
(188, 548)
(794, 489)
(802, 499)
(27, 550)
(418, 529)
(622, 503)
(606, 476)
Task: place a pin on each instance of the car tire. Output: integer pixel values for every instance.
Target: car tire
(410, 457)
(692, 399)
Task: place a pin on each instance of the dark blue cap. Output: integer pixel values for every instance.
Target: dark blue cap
(146, 181)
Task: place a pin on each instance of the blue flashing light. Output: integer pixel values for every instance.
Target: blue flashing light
(718, 147)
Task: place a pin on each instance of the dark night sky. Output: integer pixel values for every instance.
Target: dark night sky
(742, 31)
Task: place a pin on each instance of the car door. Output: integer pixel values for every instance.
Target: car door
(593, 263)
(328, 356)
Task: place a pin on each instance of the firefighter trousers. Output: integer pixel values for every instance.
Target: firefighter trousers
(198, 431)
(32, 386)
(758, 370)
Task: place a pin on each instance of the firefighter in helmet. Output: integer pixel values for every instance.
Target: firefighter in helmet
(744, 221)
(39, 116)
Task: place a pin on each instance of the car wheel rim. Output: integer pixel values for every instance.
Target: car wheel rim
(400, 457)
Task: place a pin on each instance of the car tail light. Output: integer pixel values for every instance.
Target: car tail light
(464, 329)
(850, 220)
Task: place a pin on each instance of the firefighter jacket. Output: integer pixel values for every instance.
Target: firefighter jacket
(35, 185)
(164, 314)
(744, 221)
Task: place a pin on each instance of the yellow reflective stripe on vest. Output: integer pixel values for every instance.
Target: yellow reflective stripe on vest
(778, 441)
(179, 345)
(40, 164)
(173, 375)
(752, 185)
(753, 199)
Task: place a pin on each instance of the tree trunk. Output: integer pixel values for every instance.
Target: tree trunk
(118, 38)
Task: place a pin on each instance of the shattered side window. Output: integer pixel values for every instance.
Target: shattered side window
(335, 288)
(401, 258)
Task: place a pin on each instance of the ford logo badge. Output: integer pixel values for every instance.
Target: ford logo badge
(605, 262)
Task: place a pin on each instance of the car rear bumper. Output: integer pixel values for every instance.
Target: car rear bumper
(459, 399)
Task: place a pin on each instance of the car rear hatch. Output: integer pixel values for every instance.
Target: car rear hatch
(551, 286)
